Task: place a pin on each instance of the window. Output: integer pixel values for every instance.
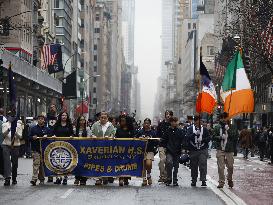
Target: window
(57, 21)
(82, 23)
(95, 79)
(210, 50)
(189, 26)
(57, 3)
(95, 57)
(194, 25)
(95, 47)
(97, 17)
(95, 101)
(95, 69)
(97, 30)
(94, 90)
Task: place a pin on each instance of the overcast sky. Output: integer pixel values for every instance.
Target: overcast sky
(148, 51)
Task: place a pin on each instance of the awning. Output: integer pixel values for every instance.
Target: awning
(82, 108)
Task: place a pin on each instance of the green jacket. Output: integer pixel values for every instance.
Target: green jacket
(96, 130)
(233, 136)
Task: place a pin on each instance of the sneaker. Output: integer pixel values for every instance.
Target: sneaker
(126, 182)
(220, 186)
(33, 182)
(204, 184)
(175, 184)
(42, 182)
(230, 184)
(98, 182)
(150, 181)
(82, 183)
(105, 181)
(76, 182)
(58, 181)
(121, 182)
(65, 182)
(144, 183)
(7, 182)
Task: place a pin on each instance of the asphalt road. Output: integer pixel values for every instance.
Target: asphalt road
(24, 194)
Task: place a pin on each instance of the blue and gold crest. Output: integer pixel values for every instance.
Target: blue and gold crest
(60, 157)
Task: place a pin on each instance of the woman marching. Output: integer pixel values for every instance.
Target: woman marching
(125, 130)
(147, 133)
(82, 130)
(63, 128)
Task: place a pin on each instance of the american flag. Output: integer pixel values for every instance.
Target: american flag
(51, 56)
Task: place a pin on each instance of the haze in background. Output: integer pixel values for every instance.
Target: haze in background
(148, 51)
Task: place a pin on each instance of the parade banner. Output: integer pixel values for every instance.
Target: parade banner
(91, 157)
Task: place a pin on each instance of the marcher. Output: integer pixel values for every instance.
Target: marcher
(224, 136)
(262, 138)
(172, 142)
(198, 139)
(40, 130)
(246, 141)
(270, 142)
(63, 128)
(12, 133)
(102, 128)
(147, 133)
(82, 130)
(125, 130)
(161, 129)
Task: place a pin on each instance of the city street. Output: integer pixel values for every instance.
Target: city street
(253, 183)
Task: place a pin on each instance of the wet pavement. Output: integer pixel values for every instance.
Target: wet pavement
(253, 179)
(134, 194)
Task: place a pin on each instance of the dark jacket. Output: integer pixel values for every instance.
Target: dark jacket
(162, 128)
(39, 132)
(233, 136)
(172, 140)
(63, 131)
(121, 133)
(152, 144)
(193, 144)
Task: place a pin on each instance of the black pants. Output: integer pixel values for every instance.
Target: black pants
(10, 161)
(172, 165)
(198, 159)
(1, 162)
(271, 153)
(262, 147)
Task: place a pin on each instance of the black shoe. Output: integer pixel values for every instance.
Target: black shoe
(111, 180)
(50, 180)
(175, 184)
(82, 183)
(14, 182)
(58, 181)
(7, 182)
(105, 181)
(193, 184)
(65, 182)
(33, 182)
(204, 184)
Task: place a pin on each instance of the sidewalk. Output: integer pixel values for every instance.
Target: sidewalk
(253, 179)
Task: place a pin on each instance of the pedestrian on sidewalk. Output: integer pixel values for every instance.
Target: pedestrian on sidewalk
(224, 136)
(12, 133)
(125, 130)
(103, 129)
(262, 138)
(147, 133)
(198, 139)
(246, 142)
(1, 151)
(172, 141)
(161, 130)
(82, 130)
(63, 128)
(39, 130)
(270, 142)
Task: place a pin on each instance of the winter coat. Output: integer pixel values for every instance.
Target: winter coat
(96, 130)
(233, 136)
(63, 131)
(172, 140)
(246, 139)
(152, 144)
(38, 131)
(7, 135)
(162, 128)
(192, 142)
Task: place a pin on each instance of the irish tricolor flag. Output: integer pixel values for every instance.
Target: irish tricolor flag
(236, 91)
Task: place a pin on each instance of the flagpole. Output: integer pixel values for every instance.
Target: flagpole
(199, 85)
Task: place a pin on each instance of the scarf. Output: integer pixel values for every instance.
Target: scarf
(224, 136)
(198, 139)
